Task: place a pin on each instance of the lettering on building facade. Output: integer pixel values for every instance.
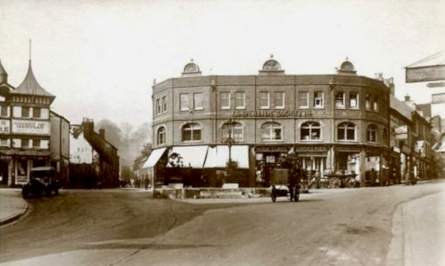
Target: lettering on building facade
(272, 148)
(31, 127)
(272, 113)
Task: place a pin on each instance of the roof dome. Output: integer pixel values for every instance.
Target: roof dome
(271, 67)
(346, 68)
(191, 69)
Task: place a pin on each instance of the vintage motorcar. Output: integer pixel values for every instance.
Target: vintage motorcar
(42, 181)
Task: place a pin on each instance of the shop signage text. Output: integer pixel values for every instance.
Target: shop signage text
(273, 113)
(31, 127)
(272, 149)
(310, 149)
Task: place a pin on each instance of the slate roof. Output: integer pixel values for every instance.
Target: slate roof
(30, 86)
(401, 107)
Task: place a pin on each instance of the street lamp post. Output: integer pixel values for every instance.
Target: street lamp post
(229, 141)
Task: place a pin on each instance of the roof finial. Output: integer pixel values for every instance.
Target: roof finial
(347, 59)
(191, 60)
(271, 55)
(30, 49)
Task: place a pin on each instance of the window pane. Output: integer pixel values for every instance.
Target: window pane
(351, 134)
(25, 143)
(303, 99)
(340, 99)
(36, 143)
(264, 100)
(341, 133)
(197, 101)
(239, 100)
(197, 134)
(353, 100)
(305, 133)
(277, 133)
(25, 111)
(4, 111)
(36, 112)
(279, 100)
(368, 101)
(164, 104)
(184, 102)
(225, 100)
(318, 99)
(186, 135)
(376, 104)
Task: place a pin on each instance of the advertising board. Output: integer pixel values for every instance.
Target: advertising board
(5, 127)
(31, 127)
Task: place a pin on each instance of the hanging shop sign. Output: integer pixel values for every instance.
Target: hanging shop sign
(272, 149)
(5, 127)
(31, 127)
(272, 113)
(427, 73)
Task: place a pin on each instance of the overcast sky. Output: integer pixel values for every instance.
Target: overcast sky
(100, 57)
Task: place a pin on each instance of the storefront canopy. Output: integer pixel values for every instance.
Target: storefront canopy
(192, 156)
(154, 158)
(218, 156)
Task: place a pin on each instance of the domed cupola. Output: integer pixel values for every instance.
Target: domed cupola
(346, 68)
(3, 74)
(191, 70)
(272, 67)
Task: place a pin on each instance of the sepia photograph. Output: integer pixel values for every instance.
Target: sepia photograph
(222, 133)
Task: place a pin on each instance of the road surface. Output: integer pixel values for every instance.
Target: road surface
(338, 227)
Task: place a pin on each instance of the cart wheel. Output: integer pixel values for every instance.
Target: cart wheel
(296, 193)
(273, 195)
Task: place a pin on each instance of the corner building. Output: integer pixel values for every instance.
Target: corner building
(335, 122)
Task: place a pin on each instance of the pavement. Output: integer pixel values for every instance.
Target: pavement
(12, 205)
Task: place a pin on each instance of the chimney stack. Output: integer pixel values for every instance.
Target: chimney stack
(102, 132)
(407, 98)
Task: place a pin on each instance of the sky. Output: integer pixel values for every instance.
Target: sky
(100, 58)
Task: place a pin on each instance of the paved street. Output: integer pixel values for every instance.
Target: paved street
(328, 227)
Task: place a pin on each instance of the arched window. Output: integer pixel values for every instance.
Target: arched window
(271, 131)
(371, 133)
(161, 136)
(310, 131)
(191, 132)
(237, 132)
(346, 131)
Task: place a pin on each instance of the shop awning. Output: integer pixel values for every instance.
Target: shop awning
(155, 155)
(218, 156)
(192, 156)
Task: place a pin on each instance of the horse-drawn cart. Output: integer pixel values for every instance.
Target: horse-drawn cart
(284, 183)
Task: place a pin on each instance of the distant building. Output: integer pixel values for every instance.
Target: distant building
(93, 160)
(25, 129)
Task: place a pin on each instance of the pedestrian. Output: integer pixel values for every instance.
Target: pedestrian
(372, 176)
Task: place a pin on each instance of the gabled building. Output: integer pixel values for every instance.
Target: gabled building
(94, 161)
(25, 128)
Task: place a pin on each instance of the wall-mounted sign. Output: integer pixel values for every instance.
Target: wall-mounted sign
(5, 127)
(31, 127)
(310, 148)
(347, 148)
(273, 113)
(401, 129)
(428, 73)
(272, 149)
